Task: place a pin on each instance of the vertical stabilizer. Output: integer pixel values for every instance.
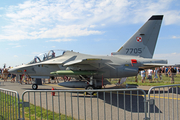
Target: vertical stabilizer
(143, 42)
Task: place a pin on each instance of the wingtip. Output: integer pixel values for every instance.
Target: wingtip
(156, 17)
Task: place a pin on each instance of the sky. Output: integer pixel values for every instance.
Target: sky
(97, 27)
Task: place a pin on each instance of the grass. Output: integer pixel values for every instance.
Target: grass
(164, 81)
(8, 107)
(44, 114)
(9, 110)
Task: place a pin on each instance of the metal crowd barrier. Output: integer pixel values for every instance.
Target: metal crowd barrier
(107, 104)
(164, 102)
(9, 105)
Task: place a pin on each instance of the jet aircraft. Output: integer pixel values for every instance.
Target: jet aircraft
(91, 71)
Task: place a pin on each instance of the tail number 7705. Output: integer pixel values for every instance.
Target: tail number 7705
(133, 50)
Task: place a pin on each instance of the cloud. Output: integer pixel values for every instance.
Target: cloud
(35, 53)
(175, 37)
(60, 40)
(103, 24)
(34, 19)
(143, 9)
(172, 17)
(68, 31)
(15, 56)
(97, 40)
(15, 45)
(92, 26)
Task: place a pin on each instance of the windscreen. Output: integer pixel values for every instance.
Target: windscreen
(47, 56)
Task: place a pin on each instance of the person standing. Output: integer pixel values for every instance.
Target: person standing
(13, 78)
(143, 75)
(5, 73)
(171, 74)
(166, 71)
(177, 70)
(149, 74)
(155, 74)
(160, 73)
(21, 78)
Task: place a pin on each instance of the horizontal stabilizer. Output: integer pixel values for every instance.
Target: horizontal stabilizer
(153, 65)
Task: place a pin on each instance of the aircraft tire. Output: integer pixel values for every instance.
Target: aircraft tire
(34, 86)
(90, 87)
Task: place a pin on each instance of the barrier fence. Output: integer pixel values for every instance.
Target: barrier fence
(9, 105)
(164, 102)
(106, 104)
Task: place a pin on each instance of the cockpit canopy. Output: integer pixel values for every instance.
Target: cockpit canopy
(46, 56)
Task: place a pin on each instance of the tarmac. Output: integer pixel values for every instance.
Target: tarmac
(21, 88)
(161, 101)
(48, 86)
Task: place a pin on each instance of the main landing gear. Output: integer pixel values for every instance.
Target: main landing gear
(93, 85)
(36, 82)
(90, 87)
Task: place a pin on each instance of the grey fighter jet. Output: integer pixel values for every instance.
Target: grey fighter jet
(91, 71)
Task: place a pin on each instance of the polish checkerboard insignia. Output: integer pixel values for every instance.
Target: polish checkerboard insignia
(139, 39)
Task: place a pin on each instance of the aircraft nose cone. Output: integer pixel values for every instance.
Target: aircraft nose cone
(11, 70)
(14, 71)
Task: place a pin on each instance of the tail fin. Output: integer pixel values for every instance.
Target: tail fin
(143, 42)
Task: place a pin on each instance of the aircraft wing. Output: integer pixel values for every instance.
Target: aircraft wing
(95, 62)
(152, 65)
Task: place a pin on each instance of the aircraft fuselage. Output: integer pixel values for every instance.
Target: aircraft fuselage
(115, 66)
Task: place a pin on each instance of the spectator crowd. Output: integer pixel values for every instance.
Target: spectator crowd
(158, 72)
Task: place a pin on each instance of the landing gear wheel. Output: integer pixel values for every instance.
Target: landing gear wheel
(34, 86)
(90, 87)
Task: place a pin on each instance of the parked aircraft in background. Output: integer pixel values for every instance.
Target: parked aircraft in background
(91, 71)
